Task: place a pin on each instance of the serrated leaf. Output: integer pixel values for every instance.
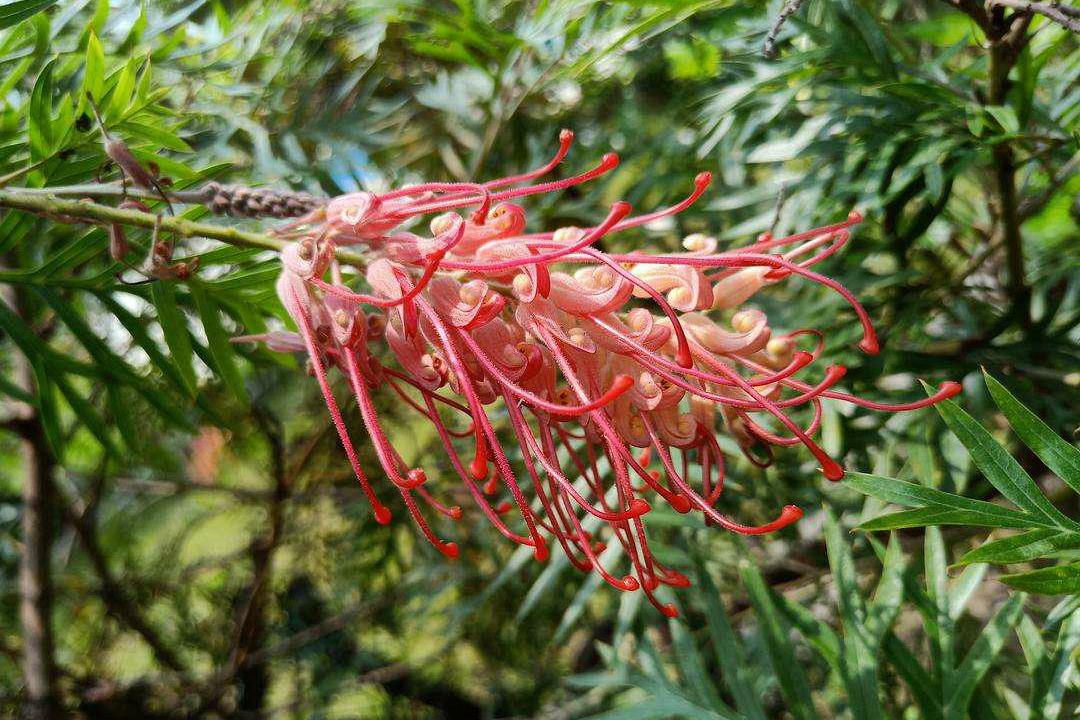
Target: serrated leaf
(1056, 580)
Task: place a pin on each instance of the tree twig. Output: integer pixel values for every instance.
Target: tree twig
(1066, 16)
(236, 200)
(790, 8)
(781, 198)
(95, 213)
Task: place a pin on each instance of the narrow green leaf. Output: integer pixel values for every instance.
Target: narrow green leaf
(39, 115)
(889, 593)
(961, 589)
(174, 328)
(45, 395)
(121, 94)
(1023, 547)
(912, 494)
(1056, 580)
(859, 666)
(999, 467)
(218, 342)
(923, 517)
(158, 135)
(982, 655)
(1005, 116)
(789, 672)
(691, 666)
(12, 78)
(735, 671)
(918, 681)
(817, 633)
(94, 69)
(660, 708)
(1056, 671)
(87, 415)
(1060, 456)
(12, 13)
(940, 627)
(14, 391)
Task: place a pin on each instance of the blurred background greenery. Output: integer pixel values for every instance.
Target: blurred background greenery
(197, 540)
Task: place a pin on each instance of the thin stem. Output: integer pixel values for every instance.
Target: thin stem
(790, 8)
(1064, 15)
(1003, 55)
(96, 213)
(108, 190)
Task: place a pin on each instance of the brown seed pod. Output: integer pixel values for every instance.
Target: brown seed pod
(118, 244)
(129, 164)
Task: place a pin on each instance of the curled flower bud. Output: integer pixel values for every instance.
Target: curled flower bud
(592, 358)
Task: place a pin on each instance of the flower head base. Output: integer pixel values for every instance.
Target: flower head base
(608, 371)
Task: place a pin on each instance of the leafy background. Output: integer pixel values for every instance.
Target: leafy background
(206, 547)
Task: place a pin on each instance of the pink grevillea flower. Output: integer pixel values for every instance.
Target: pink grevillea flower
(611, 373)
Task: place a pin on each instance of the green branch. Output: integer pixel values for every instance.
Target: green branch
(95, 213)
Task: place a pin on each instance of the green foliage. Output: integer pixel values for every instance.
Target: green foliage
(1048, 533)
(207, 480)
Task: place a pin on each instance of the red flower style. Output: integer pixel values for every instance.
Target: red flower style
(608, 368)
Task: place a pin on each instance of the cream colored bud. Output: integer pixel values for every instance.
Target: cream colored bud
(523, 284)
(737, 287)
(679, 296)
(780, 347)
(603, 278)
(566, 235)
(698, 242)
(743, 321)
(443, 223)
(470, 295)
(638, 321)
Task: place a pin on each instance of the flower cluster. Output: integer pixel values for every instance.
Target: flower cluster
(606, 369)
